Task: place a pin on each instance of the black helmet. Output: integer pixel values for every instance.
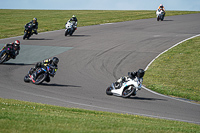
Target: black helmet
(55, 60)
(34, 20)
(140, 73)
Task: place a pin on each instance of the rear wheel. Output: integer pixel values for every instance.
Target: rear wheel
(108, 91)
(40, 78)
(128, 91)
(3, 56)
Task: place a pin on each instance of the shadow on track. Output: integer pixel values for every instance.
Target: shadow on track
(80, 35)
(39, 39)
(59, 85)
(168, 20)
(144, 98)
(17, 64)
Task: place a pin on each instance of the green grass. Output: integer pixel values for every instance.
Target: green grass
(25, 117)
(177, 71)
(12, 21)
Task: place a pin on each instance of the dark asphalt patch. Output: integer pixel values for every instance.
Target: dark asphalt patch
(30, 54)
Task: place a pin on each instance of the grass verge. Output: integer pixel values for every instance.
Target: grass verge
(23, 117)
(12, 21)
(177, 71)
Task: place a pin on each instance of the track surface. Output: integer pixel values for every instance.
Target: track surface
(95, 57)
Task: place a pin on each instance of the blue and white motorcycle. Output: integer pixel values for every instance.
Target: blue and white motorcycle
(40, 75)
(160, 14)
(126, 88)
(69, 28)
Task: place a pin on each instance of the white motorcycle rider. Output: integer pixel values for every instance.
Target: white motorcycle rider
(160, 14)
(127, 85)
(71, 26)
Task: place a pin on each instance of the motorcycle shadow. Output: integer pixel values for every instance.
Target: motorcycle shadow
(144, 98)
(58, 85)
(80, 35)
(168, 20)
(39, 39)
(17, 64)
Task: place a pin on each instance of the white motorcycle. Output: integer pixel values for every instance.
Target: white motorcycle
(160, 14)
(125, 88)
(70, 28)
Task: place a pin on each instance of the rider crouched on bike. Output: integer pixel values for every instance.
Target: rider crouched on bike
(74, 21)
(35, 25)
(161, 7)
(133, 75)
(53, 63)
(15, 47)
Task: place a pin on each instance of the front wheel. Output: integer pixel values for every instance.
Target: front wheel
(26, 78)
(66, 32)
(40, 78)
(3, 56)
(108, 91)
(128, 91)
(25, 34)
(157, 18)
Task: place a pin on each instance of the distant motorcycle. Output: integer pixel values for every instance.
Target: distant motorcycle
(5, 54)
(70, 28)
(160, 15)
(40, 75)
(125, 89)
(28, 31)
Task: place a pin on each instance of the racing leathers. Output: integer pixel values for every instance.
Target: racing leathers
(35, 26)
(161, 7)
(14, 49)
(74, 21)
(45, 63)
(131, 75)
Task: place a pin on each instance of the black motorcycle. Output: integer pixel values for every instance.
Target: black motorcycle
(5, 54)
(40, 74)
(28, 31)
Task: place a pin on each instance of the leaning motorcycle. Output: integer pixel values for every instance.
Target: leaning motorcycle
(40, 75)
(69, 28)
(125, 88)
(28, 31)
(160, 14)
(5, 54)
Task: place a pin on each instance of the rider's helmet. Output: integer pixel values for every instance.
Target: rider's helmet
(34, 20)
(161, 6)
(17, 42)
(74, 18)
(55, 60)
(140, 73)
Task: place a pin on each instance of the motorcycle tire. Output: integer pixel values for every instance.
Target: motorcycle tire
(40, 78)
(127, 93)
(66, 33)
(157, 18)
(108, 91)
(26, 78)
(24, 37)
(3, 56)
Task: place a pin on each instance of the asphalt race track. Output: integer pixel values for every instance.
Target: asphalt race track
(93, 58)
